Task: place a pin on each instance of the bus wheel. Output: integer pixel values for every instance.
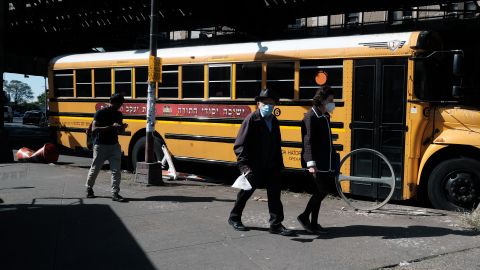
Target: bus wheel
(454, 184)
(138, 151)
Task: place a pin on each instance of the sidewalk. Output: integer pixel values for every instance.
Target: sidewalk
(46, 223)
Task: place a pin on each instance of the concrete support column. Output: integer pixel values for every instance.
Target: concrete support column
(6, 154)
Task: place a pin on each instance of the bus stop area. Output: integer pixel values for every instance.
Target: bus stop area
(47, 223)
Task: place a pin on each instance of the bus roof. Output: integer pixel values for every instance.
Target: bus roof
(328, 47)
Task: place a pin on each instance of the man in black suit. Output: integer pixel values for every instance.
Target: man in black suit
(259, 156)
(318, 155)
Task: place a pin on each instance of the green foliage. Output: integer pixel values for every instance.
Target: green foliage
(41, 99)
(18, 91)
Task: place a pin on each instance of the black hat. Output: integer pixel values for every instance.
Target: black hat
(117, 98)
(266, 93)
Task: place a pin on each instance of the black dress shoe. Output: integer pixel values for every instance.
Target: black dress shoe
(280, 229)
(303, 220)
(319, 229)
(237, 225)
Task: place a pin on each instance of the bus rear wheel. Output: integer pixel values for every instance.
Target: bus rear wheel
(454, 184)
(138, 151)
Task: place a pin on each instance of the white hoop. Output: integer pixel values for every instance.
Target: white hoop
(384, 180)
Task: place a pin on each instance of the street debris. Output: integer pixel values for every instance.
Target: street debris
(47, 154)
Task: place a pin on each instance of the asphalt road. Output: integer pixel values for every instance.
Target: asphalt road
(47, 223)
(28, 135)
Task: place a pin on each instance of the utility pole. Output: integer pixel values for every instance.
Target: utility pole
(151, 84)
(150, 171)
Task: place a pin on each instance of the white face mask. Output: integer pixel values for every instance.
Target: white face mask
(330, 107)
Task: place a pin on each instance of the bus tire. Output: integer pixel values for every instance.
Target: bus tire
(454, 184)
(138, 150)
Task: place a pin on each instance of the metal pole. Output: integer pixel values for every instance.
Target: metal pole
(46, 99)
(149, 145)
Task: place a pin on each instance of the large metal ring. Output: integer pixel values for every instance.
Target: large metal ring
(382, 180)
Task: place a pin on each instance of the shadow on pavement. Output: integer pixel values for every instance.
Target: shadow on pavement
(74, 236)
(16, 188)
(183, 199)
(387, 232)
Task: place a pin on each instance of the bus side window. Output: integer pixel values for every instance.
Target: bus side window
(103, 82)
(310, 68)
(141, 82)
(248, 80)
(123, 81)
(84, 82)
(280, 78)
(219, 81)
(193, 81)
(168, 88)
(63, 83)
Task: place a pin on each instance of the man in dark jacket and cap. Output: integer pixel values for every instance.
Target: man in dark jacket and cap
(259, 156)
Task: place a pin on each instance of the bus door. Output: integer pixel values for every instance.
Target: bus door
(378, 122)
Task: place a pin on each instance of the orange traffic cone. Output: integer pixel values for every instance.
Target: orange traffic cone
(48, 154)
(24, 153)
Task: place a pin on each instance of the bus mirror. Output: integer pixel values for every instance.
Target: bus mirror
(457, 63)
(457, 91)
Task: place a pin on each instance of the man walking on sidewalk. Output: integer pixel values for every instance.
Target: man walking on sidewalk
(259, 155)
(107, 123)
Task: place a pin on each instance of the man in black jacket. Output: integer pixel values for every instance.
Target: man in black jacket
(259, 156)
(318, 155)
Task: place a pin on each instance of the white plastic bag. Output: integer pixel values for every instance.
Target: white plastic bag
(242, 183)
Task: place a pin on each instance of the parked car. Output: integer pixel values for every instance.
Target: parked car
(7, 114)
(33, 117)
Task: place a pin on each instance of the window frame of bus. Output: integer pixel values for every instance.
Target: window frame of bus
(122, 74)
(141, 72)
(200, 71)
(97, 83)
(251, 92)
(168, 70)
(279, 79)
(80, 80)
(229, 81)
(63, 73)
(323, 65)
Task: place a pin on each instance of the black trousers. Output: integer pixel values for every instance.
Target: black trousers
(272, 182)
(320, 186)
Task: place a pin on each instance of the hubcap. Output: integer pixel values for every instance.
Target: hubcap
(461, 188)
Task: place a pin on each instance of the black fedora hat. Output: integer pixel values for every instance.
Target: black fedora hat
(266, 93)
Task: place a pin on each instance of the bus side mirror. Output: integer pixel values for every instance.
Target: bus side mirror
(457, 63)
(457, 91)
(457, 70)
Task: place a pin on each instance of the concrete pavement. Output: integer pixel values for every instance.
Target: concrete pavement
(46, 223)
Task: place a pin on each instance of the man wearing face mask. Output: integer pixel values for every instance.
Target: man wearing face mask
(259, 156)
(318, 156)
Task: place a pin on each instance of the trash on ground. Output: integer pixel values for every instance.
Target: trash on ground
(47, 154)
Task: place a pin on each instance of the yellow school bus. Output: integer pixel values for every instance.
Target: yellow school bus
(393, 93)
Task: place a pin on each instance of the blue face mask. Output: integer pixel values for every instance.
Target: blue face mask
(266, 110)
